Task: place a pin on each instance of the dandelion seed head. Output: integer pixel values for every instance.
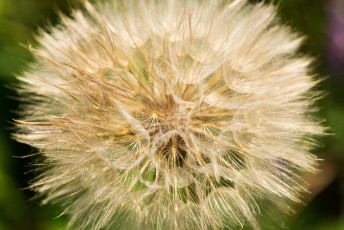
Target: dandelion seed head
(169, 114)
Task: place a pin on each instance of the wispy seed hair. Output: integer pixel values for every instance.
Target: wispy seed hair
(169, 114)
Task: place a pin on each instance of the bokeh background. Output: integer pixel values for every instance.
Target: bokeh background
(322, 21)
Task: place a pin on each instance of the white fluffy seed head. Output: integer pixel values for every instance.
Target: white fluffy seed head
(169, 114)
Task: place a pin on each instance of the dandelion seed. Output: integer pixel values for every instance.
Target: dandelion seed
(169, 114)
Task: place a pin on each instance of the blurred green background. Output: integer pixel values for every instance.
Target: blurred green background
(322, 21)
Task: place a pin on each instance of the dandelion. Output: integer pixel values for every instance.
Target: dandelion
(169, 114)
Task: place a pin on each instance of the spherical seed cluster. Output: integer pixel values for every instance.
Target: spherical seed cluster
(169, 114)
